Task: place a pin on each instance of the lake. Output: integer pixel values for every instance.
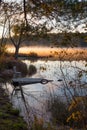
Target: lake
(73, 83)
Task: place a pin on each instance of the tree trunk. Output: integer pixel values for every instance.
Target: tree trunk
(25, 13)
(16, 52)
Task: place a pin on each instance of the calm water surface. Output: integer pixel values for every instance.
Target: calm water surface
(36, 95)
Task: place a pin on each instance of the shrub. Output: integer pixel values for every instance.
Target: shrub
(14, 112)
(6, 68)
(58, 110)
(9, 63)
(78, 112)
(38, 124)
(9, 124)
(6, 75)
(32, 70)
(20, 66)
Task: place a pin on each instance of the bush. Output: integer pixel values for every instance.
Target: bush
(14, 112)
(7, 65)
(38, 124)
(58, 110)
(78, 112)
(32, 70)
(20, 66)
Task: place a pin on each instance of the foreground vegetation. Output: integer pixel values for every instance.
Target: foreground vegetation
(68, 16)
(73, 115)
(9, 117)
(64, 116)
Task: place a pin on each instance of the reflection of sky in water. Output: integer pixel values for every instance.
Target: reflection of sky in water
(52, 69)
(36, 94)
(55, 70)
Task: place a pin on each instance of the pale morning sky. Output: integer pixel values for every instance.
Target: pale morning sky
(78, 29)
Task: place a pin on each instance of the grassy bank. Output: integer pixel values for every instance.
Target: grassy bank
(9, 117)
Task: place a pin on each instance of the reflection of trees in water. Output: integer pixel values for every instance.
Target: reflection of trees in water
(73, 92)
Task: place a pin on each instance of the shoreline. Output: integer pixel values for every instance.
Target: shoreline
(47, 53)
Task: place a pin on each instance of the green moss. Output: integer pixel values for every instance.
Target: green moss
(14, 112)
(9, 122)
(9, 117)
(4, 115)
(19, 126)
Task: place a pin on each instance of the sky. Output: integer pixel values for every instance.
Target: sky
(12, 0)
(80, 27)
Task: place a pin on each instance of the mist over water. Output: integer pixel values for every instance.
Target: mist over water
(69, 54)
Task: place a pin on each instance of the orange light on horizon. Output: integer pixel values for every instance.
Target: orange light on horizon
(48, 51)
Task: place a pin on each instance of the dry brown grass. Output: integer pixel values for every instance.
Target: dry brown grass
(54, 53)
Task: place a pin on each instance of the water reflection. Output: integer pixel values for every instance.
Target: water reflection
(37, 94)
